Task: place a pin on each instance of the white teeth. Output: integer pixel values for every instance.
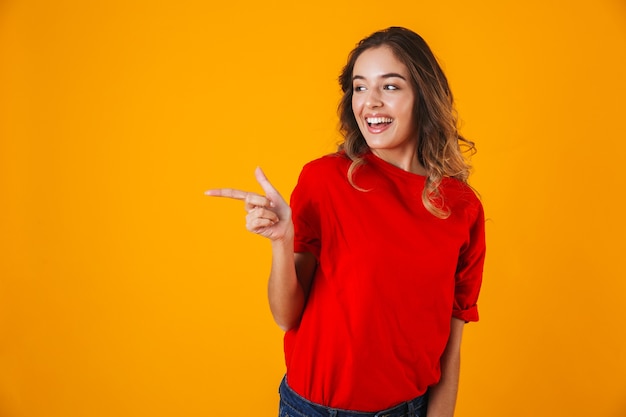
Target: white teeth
(377, 120)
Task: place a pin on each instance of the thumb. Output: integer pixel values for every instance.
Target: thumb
(268, 188)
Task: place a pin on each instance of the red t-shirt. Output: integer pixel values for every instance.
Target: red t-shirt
(390, 277)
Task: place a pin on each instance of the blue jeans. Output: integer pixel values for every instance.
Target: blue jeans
(293, 405)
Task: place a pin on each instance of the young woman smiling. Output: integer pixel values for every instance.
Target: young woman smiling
(377, 261)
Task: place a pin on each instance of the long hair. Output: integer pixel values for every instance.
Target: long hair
(439, 142)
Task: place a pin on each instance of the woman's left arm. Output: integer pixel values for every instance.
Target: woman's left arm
(442, 397)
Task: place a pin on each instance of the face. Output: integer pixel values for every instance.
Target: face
(383, 101)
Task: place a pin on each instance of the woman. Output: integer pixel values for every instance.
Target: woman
(377, 263)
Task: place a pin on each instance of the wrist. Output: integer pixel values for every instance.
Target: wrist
(286, 240)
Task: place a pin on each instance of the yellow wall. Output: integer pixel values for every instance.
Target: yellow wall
(125, 292)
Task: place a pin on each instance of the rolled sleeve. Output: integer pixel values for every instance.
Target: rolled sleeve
(469, 272)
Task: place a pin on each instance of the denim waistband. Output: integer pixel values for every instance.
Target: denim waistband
(305, 408)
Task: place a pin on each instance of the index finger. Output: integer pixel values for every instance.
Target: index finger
(250, 198)
(228, 193)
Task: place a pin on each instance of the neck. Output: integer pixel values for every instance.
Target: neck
(406, 161)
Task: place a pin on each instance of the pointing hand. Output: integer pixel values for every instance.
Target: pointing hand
(268, 215)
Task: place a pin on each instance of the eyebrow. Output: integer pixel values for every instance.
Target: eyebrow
(388, 75)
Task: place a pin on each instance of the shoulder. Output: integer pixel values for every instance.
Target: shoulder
(326, 165)
(321, 177)
(329, 161)
(460, 197)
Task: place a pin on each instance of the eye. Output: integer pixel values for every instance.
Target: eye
(358, 88)
(390, 87)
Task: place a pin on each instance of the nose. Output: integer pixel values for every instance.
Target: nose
(373, 99)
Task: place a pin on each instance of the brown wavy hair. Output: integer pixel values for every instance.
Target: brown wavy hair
(439, 142)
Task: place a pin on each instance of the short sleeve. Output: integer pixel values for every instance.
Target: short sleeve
(469, 272)
(305, 214)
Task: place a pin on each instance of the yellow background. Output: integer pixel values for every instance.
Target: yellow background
(126, 292)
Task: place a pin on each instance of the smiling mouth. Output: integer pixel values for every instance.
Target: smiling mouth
(378, 121)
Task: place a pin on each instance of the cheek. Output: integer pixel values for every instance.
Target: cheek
(404, 108)
(409, 105)
(357, 105)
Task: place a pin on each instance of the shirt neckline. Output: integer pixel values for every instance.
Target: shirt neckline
(392, 169)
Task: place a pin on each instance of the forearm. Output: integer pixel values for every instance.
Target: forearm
(442, 396)
(285, 293)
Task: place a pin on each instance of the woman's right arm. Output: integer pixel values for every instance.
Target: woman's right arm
(289, 283)
(291, 273)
